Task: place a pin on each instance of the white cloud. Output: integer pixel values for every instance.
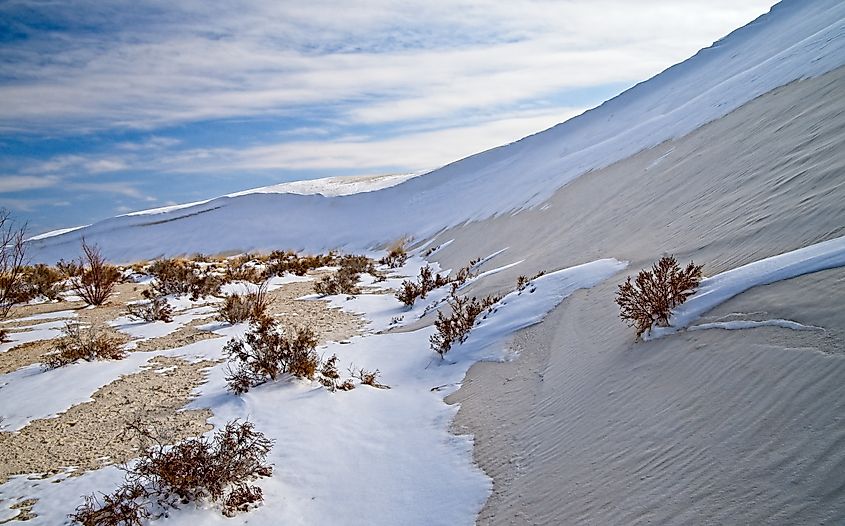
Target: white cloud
(21, 183)
(379, 61)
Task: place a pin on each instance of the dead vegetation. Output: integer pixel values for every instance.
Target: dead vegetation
(396, 256)
(266, 353)
(180, 276)
(154, 309)
(12, 257)
(279, 262)
(426, 282)
(345, 280)
(523, 282)
(455, 327)
(38, 281)
(219, 470)
(330, 376)
(252, 305)
(82, 344)
(368, 377)
(243, 268)
(650, 298)
(98, 278)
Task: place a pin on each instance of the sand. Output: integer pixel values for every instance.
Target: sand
(588, 426)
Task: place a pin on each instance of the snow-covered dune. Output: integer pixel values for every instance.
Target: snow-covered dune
(797, 39)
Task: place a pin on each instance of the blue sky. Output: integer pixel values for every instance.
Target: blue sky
(109, 107)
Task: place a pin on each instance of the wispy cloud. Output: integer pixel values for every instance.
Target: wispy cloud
(21, 183)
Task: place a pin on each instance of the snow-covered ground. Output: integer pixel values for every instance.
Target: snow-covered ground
(360, 457)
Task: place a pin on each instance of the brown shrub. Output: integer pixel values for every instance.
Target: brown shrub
(4, 336)
(155, 308)
(70, 269)
(457, 326)
(178, 276)
(369, 378)
(522, 282)
(127, 506)
(266, 353)
(98, 278)
(426, 282)
(12, 256)
(330, 376)
(649, 300)
(396, 256)
(238, 308)
(280, 262)
(191, 471)
(38, 280)
(344, 281)
(241, 268)
(78, 344)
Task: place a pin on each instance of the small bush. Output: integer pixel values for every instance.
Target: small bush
(266, 353)
(127, 506)
(344, 281)
(369, 378)
(426, 282)
(396, 256)
(38, 280)
(649, 299)
(330, 376)
(242, 269)
(357, 264)
(4, 336)
(154, 309)
(98, 279)
(78, 344)
(178, 276)
(522, 282)
(242, 307)
(216, 469)
(457, 326)
(280, 262)
(70, 269)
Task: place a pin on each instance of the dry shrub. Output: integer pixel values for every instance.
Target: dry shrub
(194, 470)
(179, 276)
(396, 256)
(266, 353)
(155, 308)
(70, 269)
(426, 282)
(242, 307)
(38, 280)
(280, 262)
(78, 344)
(4, 336)
(522, 282)
(126, 506)
(457, 326)
(97, 279)
(12, 257)
(241, 268)
(649, 299)
(369, 378)
(330, 376)
(344, 281)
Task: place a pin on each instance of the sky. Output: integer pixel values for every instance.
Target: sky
(108, 107)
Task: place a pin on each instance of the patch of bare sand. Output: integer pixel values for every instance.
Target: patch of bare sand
(90, 435)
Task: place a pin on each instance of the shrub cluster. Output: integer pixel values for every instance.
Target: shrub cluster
(266, 353)
(78, 344)
(38, 280)
(179, 276)
(238, 308)
(426, 282)
(280, 262)
(97, 279)
(217, 469)
(396, 256)
(155, 308)
(457, 325)
(242, 268)
(523, 282)
(330, 376)
(650, 298)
